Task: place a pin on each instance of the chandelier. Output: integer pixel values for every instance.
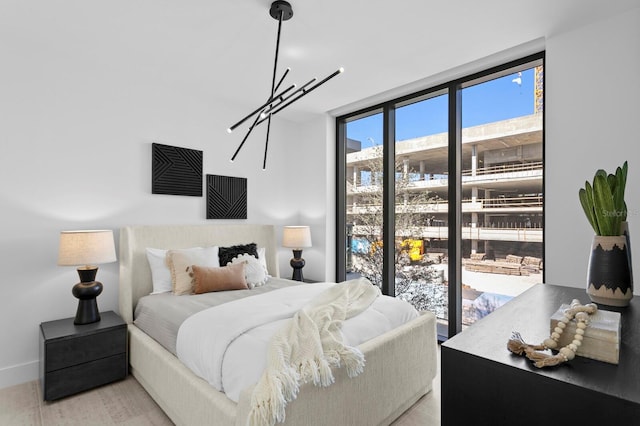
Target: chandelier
(278, 99)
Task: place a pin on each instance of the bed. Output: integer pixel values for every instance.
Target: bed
(400, 364)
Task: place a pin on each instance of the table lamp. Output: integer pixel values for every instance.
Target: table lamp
(296, 237)
(86, 249)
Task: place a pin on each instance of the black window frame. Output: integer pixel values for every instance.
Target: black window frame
(453, 89)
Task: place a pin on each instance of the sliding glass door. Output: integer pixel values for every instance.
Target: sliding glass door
(440, 193)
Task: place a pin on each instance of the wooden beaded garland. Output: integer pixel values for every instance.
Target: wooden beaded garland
(576, 310)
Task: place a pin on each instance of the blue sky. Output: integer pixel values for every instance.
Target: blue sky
(494, 100)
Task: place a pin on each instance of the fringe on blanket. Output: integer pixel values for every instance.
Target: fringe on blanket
(307, 347)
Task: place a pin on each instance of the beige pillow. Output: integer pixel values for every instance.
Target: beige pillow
(160, 272)
(179, 262)
(181, 274)
(229, 277)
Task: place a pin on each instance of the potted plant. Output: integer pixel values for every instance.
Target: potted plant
(609, 277)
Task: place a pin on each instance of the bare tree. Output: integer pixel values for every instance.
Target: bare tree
(416, 281)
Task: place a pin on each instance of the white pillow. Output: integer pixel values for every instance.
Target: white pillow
(254, 271)
(160, 273)
(262, 257)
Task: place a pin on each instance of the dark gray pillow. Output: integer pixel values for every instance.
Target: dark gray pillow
(226, 254)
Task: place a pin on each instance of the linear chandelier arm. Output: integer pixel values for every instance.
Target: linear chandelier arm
(283, 105)
(255, 122)
(266, 145)
(282, 79)
(271, 107)
(261, 107)
(309, 90)
(280, 95)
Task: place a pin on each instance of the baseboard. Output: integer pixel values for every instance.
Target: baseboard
(17, 374)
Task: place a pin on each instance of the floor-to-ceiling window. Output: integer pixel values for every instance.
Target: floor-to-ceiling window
(440, 193)
(421, 233)
(502, 192)
(364, 197)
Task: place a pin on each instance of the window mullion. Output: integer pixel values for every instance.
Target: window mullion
(388, 200)
(455, 210)
(341, 201)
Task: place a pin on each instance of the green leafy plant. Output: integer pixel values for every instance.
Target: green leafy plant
(603, 202)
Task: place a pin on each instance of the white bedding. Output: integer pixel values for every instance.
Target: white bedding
(226, 345)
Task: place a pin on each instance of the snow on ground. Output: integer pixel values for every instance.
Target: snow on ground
(508, 285)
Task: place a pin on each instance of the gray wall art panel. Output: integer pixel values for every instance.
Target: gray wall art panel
(176, 170)
(226, 197)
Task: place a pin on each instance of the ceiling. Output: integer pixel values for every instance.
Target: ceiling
(224, 49)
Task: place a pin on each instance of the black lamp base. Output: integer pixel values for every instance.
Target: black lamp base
(86, 291)
(297, 263)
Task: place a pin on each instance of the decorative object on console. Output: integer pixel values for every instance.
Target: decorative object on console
(86, 248)
(296, 238)
(176, 170)
(601, 339)
(226, 197)
(581, 314)
(609, 279)
(609, 276)
(277, 101)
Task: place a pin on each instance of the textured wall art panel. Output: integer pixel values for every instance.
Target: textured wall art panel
(226, 197)
(176, 170)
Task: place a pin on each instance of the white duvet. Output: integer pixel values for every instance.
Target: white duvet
(226, 345)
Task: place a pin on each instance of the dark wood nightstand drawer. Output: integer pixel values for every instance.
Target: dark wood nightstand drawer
(75, 358)
(68, 352)
(85, 376)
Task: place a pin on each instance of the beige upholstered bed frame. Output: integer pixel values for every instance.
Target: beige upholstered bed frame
(400, 364)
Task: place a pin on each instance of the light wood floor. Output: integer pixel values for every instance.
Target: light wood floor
(126, 403)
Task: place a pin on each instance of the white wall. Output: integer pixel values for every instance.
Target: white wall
(592, 113)
(76, 139)
(311, 189)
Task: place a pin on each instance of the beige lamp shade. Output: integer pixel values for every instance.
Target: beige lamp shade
(296, 237)
(86, 248)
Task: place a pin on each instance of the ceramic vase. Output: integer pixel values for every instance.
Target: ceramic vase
(624, 230)
(609, 277)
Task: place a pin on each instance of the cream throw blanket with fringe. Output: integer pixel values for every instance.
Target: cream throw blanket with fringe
(306, 348)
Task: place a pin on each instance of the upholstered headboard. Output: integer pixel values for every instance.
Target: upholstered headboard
(135, 273)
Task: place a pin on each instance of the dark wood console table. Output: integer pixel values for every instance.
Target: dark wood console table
(484, 384)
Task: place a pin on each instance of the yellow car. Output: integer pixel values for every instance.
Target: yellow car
(415, 248)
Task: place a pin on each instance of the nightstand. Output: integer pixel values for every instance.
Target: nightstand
(75, 358)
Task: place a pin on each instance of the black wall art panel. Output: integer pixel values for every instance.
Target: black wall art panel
(226, 197)
(176, 171)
